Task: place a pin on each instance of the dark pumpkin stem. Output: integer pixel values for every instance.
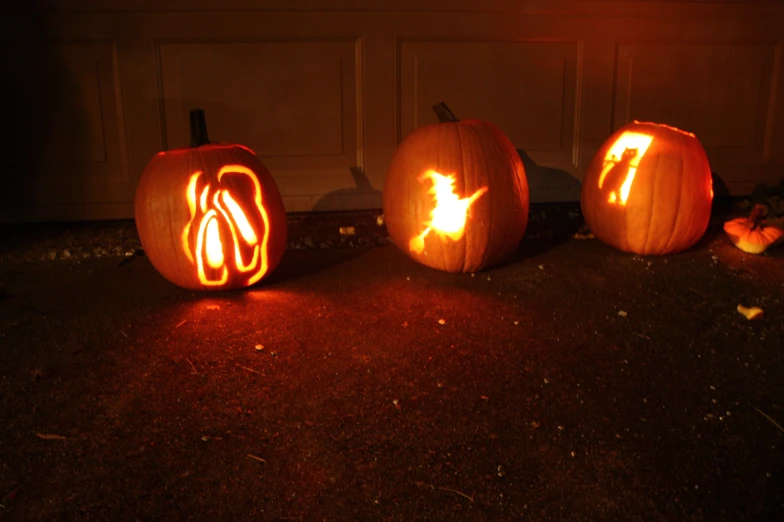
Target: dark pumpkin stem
(444, 114)
(198, 128)
(757, 213)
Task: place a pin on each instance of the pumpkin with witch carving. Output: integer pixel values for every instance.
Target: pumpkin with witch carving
(456, 194)
(210, 216)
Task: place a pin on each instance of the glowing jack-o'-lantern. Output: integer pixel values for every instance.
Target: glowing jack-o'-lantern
(450, 212)
(648, 190)
(210, 216)
(456, 195)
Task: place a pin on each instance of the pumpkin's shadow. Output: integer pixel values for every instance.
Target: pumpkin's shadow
(722, 204)
(299, 263)
(547, 184)
(320, 229)
(531, 249)
(361, 195)
(554, 215)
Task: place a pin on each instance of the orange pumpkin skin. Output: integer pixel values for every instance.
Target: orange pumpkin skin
(664, 206)
(484, 164)
(752, 240)
(753, 234)
(174, 233)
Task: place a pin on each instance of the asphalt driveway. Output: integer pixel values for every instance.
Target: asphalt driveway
(574, 382)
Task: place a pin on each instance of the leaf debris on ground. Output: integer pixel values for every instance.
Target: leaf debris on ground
(50, 436)
(751, 312)
(422, 484)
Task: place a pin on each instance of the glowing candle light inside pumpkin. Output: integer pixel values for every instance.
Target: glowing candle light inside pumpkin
(209, 249)
(208, 241)
(213, 247)
(239, 217)
(622, 161)
(448, 217)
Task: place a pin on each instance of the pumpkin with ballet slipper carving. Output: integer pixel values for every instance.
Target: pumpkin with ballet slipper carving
(648, 190)
(456, 195)
(210, 216)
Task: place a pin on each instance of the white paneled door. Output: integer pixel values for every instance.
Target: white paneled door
(323, 91)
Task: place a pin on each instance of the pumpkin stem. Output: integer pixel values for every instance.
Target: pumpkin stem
(444, 114)
(198, 128)
(757, 213)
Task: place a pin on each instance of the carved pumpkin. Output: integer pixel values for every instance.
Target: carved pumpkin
(456, 195)
(210, 216)
(754, 234)
(648, 190)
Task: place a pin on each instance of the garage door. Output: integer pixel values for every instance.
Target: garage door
(324, 90)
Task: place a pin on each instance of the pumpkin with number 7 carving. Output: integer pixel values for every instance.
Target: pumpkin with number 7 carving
(210, 216)
(648, 190)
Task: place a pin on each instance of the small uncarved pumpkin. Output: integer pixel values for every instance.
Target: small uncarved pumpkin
(648, 190)
(456, 195)
(210, 216)
(754, 234)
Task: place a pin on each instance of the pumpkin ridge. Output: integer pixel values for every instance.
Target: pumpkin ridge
(175, 236)
(475, 237)
(489, 225)
(440, 135)
(181, 268)
(494, 250)
(481, 133)
(649, 214)
(493, 216)
(448, 131)
(467, 236)
(674, 229)
(490, 216)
